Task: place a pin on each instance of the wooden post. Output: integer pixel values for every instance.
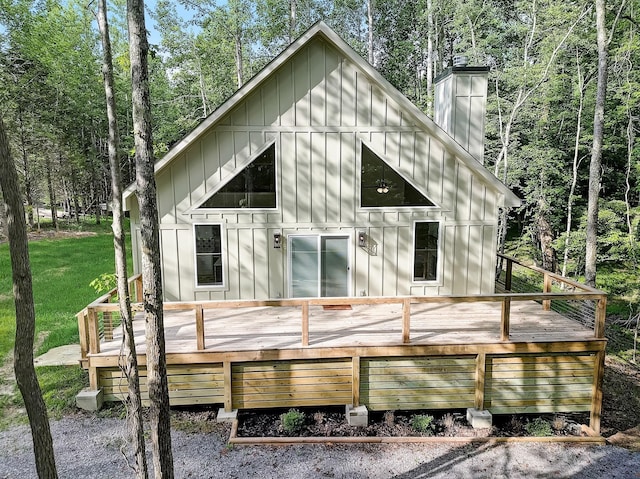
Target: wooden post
(596, 396)
(200, 328)
(355, 386)
(228, 394)
(504, 321)
(83, 333)
(481, 368)
(94, 335)
(546, 303)
(138, 283)
(93, 379)
(305, 323)
(601, 315)
(406, 321)
(508, 275)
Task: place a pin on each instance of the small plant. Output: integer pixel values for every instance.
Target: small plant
(516, 424)
(292, 421)
(318, 417)
(389, 418)
(103, 283)
(423, 423)
(559, 423)
(449, 422)
(539, 428)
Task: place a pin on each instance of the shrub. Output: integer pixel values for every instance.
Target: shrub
(423, 423)
(539, 428)
(292, 421)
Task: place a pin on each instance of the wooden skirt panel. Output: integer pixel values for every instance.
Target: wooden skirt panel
(417, 383)
(539, 383)
(192, 384)
(291, 383)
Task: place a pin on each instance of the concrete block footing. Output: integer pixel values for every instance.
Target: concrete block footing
(479, 418)
(225, 416)
(357, 416)
(90, 400)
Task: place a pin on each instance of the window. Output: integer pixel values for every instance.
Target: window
(208, 255)
(381, 185)
(253, 187)
(425, 259)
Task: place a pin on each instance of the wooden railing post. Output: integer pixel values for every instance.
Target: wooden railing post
(83, 332)
(546, 303)
(505, 318)
(406, 321)
(508, 275)
(305, 323)
(200, 328)
(601, 314)
(94, 334)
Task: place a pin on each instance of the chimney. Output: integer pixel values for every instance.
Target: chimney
(461, 103)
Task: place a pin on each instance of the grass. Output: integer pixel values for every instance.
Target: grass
(62, 270)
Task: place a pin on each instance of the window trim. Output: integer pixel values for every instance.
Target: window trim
(438, 280)
(411, 182)
(196, 207)
(223, 250)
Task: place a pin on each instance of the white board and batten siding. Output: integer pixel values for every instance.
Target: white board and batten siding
(318, 108)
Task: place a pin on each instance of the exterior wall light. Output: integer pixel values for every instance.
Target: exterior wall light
(362, 239)
(277, 240)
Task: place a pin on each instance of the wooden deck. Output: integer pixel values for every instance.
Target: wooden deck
(509, 352)
(264, 328)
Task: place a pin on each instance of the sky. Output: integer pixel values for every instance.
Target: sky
(150, 5)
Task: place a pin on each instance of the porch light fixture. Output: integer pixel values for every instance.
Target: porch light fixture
(362, 239)
(277, 240)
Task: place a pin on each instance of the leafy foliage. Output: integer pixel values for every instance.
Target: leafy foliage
(292, 421)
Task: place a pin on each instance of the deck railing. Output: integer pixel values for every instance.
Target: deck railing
(552, 291)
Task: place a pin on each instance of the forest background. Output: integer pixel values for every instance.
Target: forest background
(542, 85)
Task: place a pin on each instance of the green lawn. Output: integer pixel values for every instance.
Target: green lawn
(62, 270)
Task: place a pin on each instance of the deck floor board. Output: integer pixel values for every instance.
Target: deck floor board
(260, 328)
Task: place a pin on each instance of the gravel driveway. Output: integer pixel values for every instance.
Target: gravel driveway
(88, 447)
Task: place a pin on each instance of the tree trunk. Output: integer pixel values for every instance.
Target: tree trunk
(596, 150)
(52, 194)
(150, 244)
(28, 187)
(128, 358)
(430, 60)
(25, 315)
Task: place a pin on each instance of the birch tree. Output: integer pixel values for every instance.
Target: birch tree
(128, 358)
(150, 244)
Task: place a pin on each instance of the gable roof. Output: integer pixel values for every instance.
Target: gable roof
(323, 31)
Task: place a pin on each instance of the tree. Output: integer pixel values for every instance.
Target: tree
(129, 360)
(150, 242)
(25, 315)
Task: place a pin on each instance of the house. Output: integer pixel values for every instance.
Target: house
(325, 243)
(319, 179)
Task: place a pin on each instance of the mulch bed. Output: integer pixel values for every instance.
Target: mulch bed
(331, 422)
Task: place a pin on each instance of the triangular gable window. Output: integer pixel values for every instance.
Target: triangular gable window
(253, 187)
(382, 186)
